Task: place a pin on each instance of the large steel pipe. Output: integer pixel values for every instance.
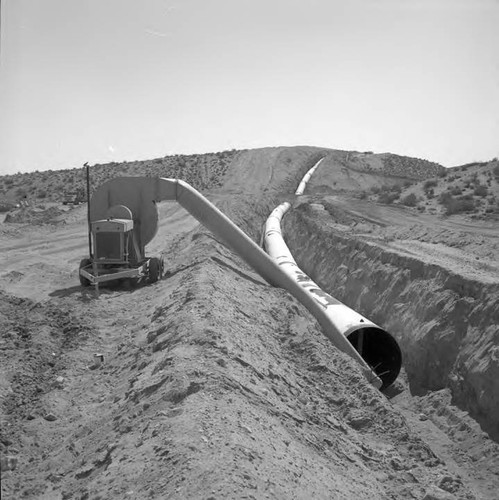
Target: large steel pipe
(141, 193)
(303, 184)
(374, 344)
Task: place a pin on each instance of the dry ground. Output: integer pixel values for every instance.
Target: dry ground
(216, 385)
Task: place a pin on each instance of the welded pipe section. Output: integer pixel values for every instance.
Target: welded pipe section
(303, 184)
(218, 223)
(376, 347)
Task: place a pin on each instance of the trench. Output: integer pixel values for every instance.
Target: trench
(447, 326)
(374, 348)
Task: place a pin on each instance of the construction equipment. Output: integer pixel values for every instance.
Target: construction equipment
(117, 240)
(116, 253)
(72, 198)
(369, 343)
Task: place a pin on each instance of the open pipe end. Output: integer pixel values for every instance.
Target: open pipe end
(380, 351)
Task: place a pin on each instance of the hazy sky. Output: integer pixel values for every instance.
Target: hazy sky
(112, 80)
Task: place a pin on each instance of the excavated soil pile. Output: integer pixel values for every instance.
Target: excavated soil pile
(211, 384)
(35, 215)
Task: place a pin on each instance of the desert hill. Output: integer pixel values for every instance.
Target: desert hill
(203, 171)
(215, 384)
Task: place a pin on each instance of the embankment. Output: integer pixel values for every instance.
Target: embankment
(446, 325)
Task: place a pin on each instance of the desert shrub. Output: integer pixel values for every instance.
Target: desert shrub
(42, 194)
(387, 198)
(410, 200)
(430, 193)
(460, 205)
(456, 190)
(431, 183)
(9, 182)
(444, 198)
(375, 190)
(495, 171)
(481, 190)
(421, 208)
(443, 173)
(456, 205)
(362, 195)
(21, 192)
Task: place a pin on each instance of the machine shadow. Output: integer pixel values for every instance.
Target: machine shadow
(88, 293)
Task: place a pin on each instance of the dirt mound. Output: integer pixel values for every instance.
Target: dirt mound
(33, 336)
(221, 364)
(35, 216)
(362, 174)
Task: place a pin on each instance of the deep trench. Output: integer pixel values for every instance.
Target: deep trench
(445, 324)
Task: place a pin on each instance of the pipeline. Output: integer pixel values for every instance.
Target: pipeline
(376, 347)
(303, 184)
(140, 195)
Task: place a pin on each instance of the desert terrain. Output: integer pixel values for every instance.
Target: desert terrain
(216, 385)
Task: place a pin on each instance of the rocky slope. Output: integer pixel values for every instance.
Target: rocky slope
(203, 171)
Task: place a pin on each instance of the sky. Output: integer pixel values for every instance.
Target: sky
(112, 80)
